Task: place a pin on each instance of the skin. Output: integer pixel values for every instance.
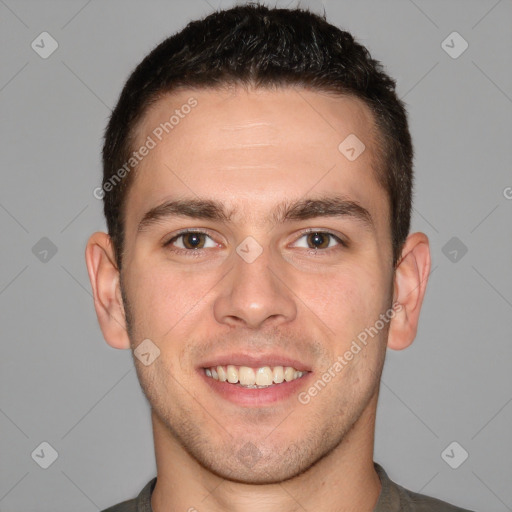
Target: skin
(252, 149)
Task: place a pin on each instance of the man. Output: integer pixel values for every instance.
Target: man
(257, 191)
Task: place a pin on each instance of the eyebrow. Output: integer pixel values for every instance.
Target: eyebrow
(302, 209)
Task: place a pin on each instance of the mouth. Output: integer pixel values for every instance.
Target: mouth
(257, 383)
(253, 378)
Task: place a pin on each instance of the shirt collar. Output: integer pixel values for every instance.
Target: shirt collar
(389, 499)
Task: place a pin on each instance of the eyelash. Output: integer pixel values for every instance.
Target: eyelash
(198, 252)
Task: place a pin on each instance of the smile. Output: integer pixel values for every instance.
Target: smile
(253, 378)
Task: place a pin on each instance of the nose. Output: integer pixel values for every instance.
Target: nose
(255, 294)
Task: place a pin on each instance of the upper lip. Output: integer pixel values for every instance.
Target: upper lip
(255, 361)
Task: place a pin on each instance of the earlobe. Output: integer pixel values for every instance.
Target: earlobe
(104, 278)
(411, 276)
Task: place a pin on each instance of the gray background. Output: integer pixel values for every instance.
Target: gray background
(61, 383)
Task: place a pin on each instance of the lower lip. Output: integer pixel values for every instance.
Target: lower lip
(256, 397)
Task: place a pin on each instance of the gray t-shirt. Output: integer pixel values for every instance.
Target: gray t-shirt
(392, 498)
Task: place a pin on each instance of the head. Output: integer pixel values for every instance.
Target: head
(277, 141)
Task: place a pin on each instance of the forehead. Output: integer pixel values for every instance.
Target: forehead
(255, 147)
(237, 119)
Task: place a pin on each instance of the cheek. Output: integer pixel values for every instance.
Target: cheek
(167, 301)
(346, 299)
(157, 303)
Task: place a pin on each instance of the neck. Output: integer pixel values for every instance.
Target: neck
(344, 480)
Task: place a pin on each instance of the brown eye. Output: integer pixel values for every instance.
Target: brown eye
(193, 240)
(190, 241)
(318, 240)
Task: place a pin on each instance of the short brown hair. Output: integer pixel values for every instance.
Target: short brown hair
(264, 47)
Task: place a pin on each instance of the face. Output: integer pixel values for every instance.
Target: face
(286, 260)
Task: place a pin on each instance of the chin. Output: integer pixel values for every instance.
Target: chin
(258, 475)
(247, 465)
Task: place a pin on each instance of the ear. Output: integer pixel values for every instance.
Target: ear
(104, 277)
(410, 283)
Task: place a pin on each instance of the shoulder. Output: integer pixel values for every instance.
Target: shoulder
(125, 506)
(395, 498)
(142, 503)
(414, 502)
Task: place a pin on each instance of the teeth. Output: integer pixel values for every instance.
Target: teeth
(246, 376)
(231, 373)
(264, 376)
(278, 374)
(289, 374)
(222, 374)
(253, 377)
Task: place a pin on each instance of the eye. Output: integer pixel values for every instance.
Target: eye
(191, 240)
(319, 240)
